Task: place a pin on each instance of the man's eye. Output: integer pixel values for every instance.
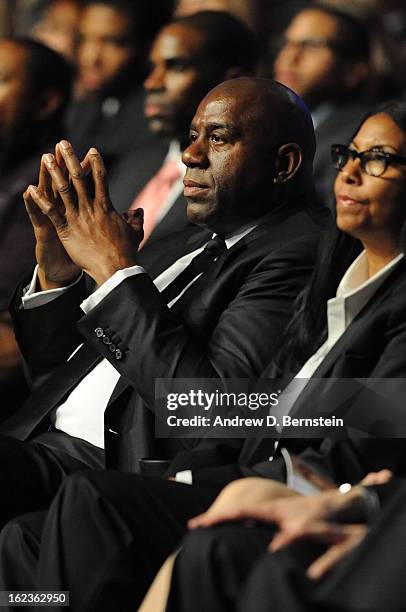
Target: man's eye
(192, 137)
(178, 65)
(119, 42)
(216, 138)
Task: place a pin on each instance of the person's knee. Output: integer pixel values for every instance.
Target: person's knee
(78, 490)
(21, 533)
(215, 545)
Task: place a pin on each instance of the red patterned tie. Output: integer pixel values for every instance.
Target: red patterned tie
(155, 193)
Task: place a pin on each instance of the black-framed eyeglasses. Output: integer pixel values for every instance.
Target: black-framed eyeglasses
(373, 163)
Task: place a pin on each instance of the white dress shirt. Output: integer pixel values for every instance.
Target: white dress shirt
(82, 413)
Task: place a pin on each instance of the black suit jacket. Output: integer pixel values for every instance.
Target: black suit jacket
(374, 347)
(226, 324)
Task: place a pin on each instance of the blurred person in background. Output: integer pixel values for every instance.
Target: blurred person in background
(334, 55)
(189, 57)
(34, 90)
(58, 26)
(114, 41)
(243, 9)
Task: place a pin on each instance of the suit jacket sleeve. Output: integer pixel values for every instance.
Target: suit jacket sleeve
(47, 335)
(155, 342)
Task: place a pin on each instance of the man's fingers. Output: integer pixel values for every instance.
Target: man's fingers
(60, 160)
(45, 181)
(101, 190)
(34, 212)
(76, 173)
(46, 207)
(135, 218)
(85, 163)
(60, 182)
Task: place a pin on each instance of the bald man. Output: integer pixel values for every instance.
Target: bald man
(248, 183)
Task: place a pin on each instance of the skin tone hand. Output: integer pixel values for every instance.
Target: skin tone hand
(342, 539)
(270, 501)
(239, 499)
(311, 522)
(95, 237)
(297, 517)
(55, 267)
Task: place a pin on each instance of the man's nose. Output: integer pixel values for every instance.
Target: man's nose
(90, 54)
(195, 155)
(290, 52)
(155, 80)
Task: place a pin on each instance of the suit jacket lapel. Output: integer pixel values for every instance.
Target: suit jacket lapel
(49, 395)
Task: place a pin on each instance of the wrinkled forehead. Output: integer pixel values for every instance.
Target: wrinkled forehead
(215, 108)
(221, 107)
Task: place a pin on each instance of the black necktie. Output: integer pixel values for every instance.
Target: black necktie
(215, 247)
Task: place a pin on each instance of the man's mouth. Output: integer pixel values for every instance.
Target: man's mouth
(152, 110)
(91, 80)
(192, 188)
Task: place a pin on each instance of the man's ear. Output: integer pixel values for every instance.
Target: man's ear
(289, 160)
(48, 104)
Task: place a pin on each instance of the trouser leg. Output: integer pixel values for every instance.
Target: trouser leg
(19, 550)
(213, 564)
(106, 535)
(278, 583)
(31, 473)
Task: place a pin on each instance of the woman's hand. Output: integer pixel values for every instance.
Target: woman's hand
(239, 500)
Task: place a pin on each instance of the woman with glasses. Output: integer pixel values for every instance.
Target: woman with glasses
(350, 323)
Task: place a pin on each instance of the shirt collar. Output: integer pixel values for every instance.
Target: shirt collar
(353, 293)
(355, 280)
(175, 154)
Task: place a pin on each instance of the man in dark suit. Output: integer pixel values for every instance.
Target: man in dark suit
(111, 56)
(188, 58)
(237, 292)
(327, 56)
